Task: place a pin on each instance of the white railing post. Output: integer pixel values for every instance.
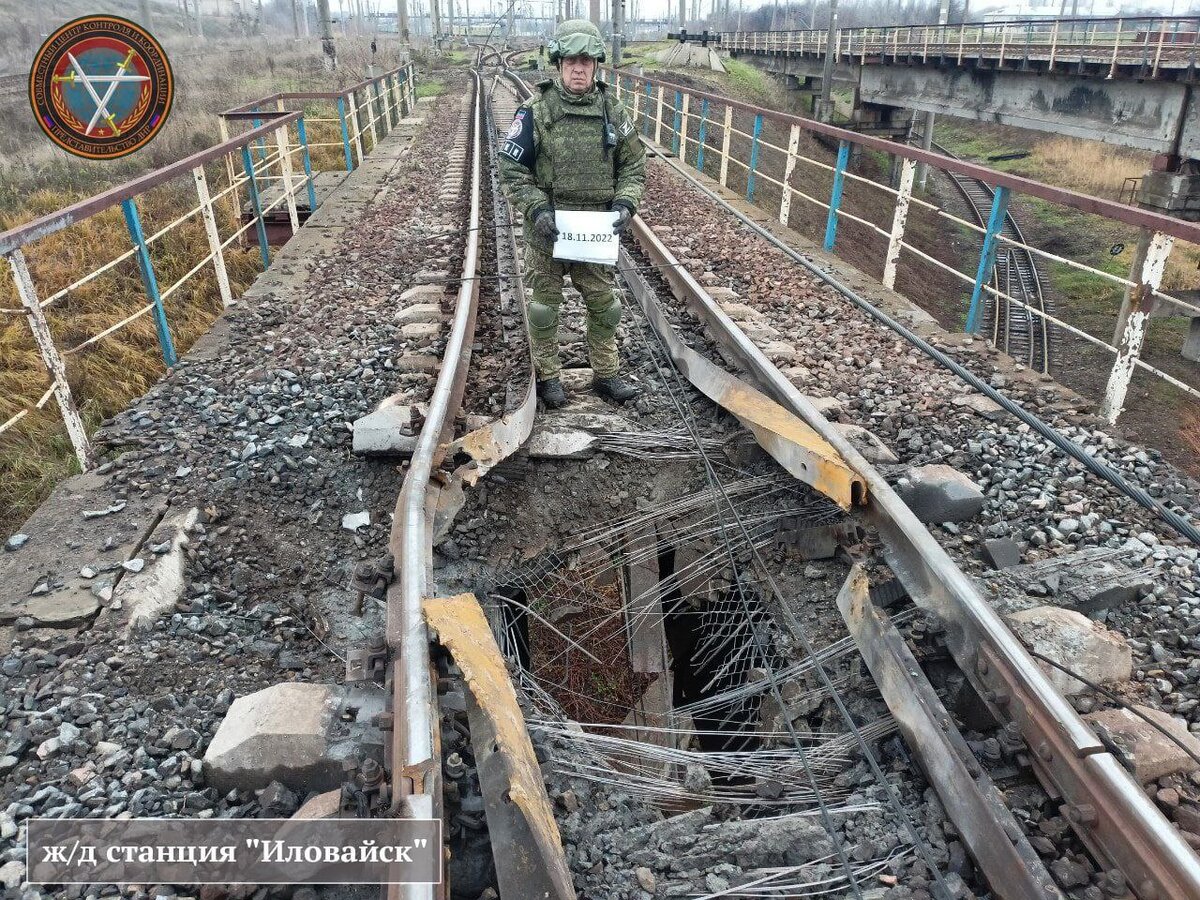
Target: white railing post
(50, 356)
(1053, 46)
(896, 239)
(785, 202)
(1141, 301)
(726, 133)
(214, 236)
(658, 121)
(285, 169)
(235, 200)
(1112, 68)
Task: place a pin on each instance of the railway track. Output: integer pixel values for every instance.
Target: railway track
(1022, 334)
(683, 359)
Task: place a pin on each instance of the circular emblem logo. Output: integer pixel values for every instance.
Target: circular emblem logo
(101, 87)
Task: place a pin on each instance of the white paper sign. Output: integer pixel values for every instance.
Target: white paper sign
(586, 236)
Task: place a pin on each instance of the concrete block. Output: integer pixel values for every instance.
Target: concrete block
(1151, 754)
(867, 443)
(825, 405)
(419, 362)
(146, 595)
(1073, 640)
(420, 313)
(940, 493)
(389, 429)
(421, 333)
(740, 312)
(296, 734)
(983, 405)
(780, 350)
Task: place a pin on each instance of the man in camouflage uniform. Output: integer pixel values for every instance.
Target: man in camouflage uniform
(573, 146)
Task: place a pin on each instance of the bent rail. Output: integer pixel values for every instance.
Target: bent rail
(701, 128)
(415, 755)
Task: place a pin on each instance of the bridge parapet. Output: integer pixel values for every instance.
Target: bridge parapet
(271, 165)
(1154, 47)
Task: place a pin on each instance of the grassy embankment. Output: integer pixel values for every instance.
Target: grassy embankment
(36, 178)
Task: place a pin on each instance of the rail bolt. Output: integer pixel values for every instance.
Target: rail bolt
(455, 768)
(1082, 813)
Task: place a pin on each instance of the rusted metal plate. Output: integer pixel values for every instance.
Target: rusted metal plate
(995, 840)
(526, 844)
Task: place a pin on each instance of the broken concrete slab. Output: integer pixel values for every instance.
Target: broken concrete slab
(643, 604)
(390, 429)
(570, 433)
(146, 595)
(297, 734)
(1144, 749)
(1090, 581)
(1073, 640)
(867, 443)
(79, 529)
(940, 493)
(981, 404)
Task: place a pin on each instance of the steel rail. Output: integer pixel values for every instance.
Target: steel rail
(415, 763)
(1106, 807)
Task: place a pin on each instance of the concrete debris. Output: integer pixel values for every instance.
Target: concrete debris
(1001, 553)
(981, 404)
(145, 594)
(1144, 749)
(355, 521)
(16, 542)
(297, 734)
(390, 429)
(940, 493)
(1073, 640)
(867, 443)
(1091, 581)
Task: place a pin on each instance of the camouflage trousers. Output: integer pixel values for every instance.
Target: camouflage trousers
(545, 275)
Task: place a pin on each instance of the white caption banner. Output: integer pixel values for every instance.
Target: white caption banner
(586, 236)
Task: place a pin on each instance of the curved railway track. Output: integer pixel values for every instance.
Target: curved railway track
(1124, 829)
(1022, 334)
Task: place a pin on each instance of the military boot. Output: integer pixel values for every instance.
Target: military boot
(614, 388)
(551, 393)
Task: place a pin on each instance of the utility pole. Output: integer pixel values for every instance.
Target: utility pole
(618, 27)
(825, 110)
(296, 19)
(328, 49)
(927, 131)
(144, 14)
(402, 19)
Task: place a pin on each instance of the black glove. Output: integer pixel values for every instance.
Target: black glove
(624, 215)
(543, 223)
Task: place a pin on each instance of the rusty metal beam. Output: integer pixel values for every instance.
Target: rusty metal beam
(526, 844)
(1012, 867)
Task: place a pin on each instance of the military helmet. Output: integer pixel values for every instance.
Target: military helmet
(576, 37)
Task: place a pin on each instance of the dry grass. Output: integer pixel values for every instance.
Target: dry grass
(1086, 166)
(36, 178)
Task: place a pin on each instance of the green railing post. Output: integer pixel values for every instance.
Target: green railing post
(308, 173)
(341, 105)
(758, 123)
(703, 131)
(835, 197)
(149, 280)
(256, 205)
(987, 256)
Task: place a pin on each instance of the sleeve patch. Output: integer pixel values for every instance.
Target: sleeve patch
(518, 143)
(626, 127)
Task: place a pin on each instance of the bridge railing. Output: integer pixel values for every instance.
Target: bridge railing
(757, 152)
(1147, 44)
(147, 233)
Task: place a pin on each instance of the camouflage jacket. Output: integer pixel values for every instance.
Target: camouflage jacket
(554, 155)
